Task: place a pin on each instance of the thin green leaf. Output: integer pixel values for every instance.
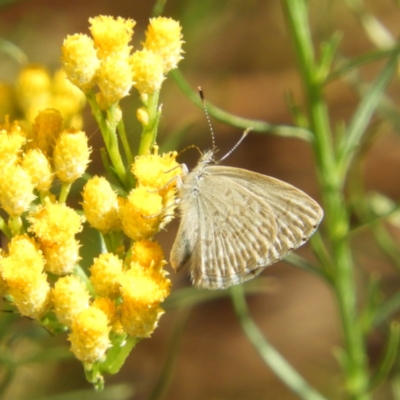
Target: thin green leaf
(239, 122)
(364, 113)
(287, 374)
(389, 356)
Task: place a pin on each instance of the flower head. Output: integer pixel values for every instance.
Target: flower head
(105, 273)
(16, 190)
(45, 130)
(147, 71)
(100, 205)
(111, 34)
(164, 37)
(70, 297)
(115, 77)
(89, 335)
(71, 155)
(140, 213)
(12, 138)
(80, 61)
(55, 222)
(142, 295)
(37, 165)
(22, 271)
(61, 257)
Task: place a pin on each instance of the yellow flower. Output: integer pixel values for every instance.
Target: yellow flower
(23, 273)
(100, 205)
(157, 171)
(105, 273)
(12, 138)
(89, 335)
(71, 155)
(53, 222)
(45, 130)
(115, 77)
(80, 61)
(140, 213)
(140, 310)
(70, 297)
(68, 99)
(33, 88)
(148, 254)
(147, 71)
(111, 34)
(37, 165)
(16, 190)
(164, 38)
(111, 311)
(61, 257)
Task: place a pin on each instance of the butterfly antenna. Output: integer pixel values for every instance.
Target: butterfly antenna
(203, 102)
(245, 133)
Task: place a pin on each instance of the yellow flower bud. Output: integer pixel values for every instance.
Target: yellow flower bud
(68, 99)
(111, 34)
(143, 116)
(111, 311)
(12, 138)
(105, 273)
(23, 273)
(89, 335)
(163, 37)
(61, 257)
(100, 205)
(37, 165)
(148, 254)
(80, 61)
(16, 190)
(157, 171)
(115, 77)
(33, 89)
(70, 297)
(140, 213)
(54, 223)
(147, 71)
(45, 130)
(140, 310)
(71, 155)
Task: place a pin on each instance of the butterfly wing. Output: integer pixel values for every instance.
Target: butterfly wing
(237, 222)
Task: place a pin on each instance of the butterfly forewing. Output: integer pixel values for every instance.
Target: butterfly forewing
(236, 222)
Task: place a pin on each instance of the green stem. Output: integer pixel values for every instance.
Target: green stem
(337, 220)
(4, 228)
(268, 353)
(239, 122)
(149, 132)
(65, 188)
(108, 128)
(125, 142)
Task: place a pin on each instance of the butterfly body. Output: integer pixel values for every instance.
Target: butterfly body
(235, 222)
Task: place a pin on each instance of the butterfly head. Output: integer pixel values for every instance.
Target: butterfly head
(208, 157)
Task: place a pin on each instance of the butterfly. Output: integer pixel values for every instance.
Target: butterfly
(236, 222)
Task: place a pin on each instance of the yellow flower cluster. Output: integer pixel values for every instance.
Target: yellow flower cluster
(106, 59)
(29, 160)
(35, 90)
(40, 274)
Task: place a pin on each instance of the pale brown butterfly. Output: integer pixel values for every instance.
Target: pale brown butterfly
(236, 222)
